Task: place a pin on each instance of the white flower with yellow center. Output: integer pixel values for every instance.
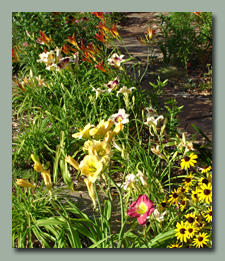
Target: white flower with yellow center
(91, 167)
(120, 117)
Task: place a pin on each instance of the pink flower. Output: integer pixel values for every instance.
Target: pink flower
(141, 209)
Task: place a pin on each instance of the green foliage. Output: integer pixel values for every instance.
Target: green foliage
(186, 36)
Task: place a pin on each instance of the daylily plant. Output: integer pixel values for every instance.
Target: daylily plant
(141, 209)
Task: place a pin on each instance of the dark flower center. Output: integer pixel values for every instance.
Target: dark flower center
(183, 203)
(186, 158)
(195, 195)
(210, 213)
(200, 239)
(190, 219)
(190, 230)
(205, 181)
(206, 192)
(188, 180)
(182, 230)
(163, 204)
(175, 195)
(183, 190)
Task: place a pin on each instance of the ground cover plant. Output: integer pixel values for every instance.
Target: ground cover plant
(84, 122)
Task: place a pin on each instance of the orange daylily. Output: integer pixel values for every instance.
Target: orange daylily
(43, 39)
(197, 13)
(98, 14)
(101, 67)
(65, 49)
(82, 47)
(72, 40)
(141, 40)
(14, 56)
(86, 57)
(114, 31)
(100, 37)
(151, 33)
(102, 26)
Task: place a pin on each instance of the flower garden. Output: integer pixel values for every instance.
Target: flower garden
(85, 123)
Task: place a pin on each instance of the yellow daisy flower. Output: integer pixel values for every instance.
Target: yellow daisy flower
(200, 240)
(188, 181)
(205, 193)
(206, 169)
(191, 218)
(182, 233)
(208, 214)
(191, 230)
(174, 197)
(175, 245)
(183, 203)
(188, 161)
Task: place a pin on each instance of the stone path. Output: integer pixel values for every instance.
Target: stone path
(197, 110)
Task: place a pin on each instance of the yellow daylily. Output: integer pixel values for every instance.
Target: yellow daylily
(24, 184)
(102, 128)
(91, 191)
(72, 162)
(91, 166)
(101, 149)
(83, 133)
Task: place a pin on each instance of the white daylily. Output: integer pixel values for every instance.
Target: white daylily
(112, 85)
(152, 122)
(125, 91)
(129, 179)
(156, 215)
(98, 91)
(150, 112)
(143, 178)
(48, 58)
(116, 60)
(120, 117)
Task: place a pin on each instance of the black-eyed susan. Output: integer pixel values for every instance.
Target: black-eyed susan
(182, 233)
(191, 218)
(205, 193)
(208, 214)
(194, 195)
(191, 230)
(183, 190)
(188, 181)
(183, 203)
(206, 169)
(162, 205)
(174, 197)
(200, 240)
(175, 245)
(205, 180)
(188, 161)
